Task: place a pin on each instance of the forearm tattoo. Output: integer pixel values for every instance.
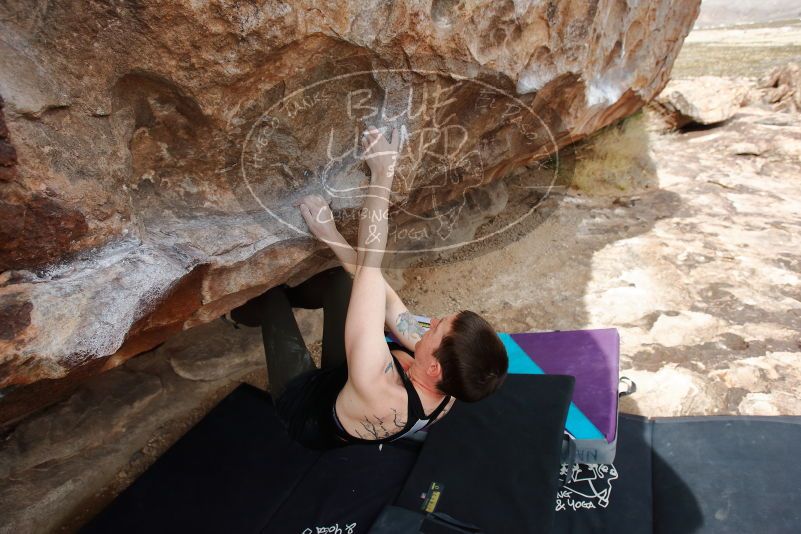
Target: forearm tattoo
(409, 327)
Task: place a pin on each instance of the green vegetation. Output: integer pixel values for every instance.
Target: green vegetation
(749, 50)
(614, 160)
(696, 59)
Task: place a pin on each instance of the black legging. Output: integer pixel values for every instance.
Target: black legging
(287, 355)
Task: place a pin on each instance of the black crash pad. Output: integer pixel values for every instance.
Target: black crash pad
(494, 464)
(727, 475)
(690, 475)
(237, 471)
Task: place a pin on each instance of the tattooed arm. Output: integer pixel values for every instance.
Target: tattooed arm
(365, 346)
(398, 320)
(401, 322)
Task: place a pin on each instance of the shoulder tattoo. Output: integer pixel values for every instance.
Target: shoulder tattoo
(408, 326)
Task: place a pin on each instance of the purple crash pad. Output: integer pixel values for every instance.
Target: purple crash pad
(592, 357)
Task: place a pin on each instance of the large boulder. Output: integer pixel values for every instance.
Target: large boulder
(703, 101)
(153, 150)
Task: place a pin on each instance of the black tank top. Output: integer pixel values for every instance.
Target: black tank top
(416, 419)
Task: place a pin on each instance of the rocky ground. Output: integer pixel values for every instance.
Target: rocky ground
(696, 262)
(700, 276)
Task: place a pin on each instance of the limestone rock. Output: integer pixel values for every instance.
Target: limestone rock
(72, 427)
(782, 87)
(65, 462)
(220, 356)
(159, 147)
(670, 392)
(704, 100)
(8, 156)
(746, 149)
(766, 404)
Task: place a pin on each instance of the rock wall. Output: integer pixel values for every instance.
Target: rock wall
(151, 153)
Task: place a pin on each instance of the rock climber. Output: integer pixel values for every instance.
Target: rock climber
(366, 389)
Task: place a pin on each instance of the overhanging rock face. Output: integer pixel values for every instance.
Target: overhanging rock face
(150, 153)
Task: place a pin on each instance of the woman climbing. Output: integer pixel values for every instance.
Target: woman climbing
(367, 390)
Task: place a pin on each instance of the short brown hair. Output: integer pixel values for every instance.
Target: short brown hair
(472, 357)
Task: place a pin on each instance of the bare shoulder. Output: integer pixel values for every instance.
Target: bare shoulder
(383, 390)
(367, 365)
(404, 358)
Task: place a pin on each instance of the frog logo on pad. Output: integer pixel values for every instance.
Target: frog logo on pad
(589, 487)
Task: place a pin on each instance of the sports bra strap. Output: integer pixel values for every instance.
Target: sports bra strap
(438, 409)
(433, 415)
(415, 416)
(414, 399)
(414, 404)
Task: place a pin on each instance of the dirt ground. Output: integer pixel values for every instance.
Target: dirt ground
(745, 50)
(693, 255)
(700, 275)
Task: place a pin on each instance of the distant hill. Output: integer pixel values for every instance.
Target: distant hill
(728, 12)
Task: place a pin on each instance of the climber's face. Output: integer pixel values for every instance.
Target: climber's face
(424, 349)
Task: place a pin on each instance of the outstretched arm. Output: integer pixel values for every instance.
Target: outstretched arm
(365, 347)
(397, 318)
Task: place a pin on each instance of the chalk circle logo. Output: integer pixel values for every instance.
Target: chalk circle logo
(458, 136)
